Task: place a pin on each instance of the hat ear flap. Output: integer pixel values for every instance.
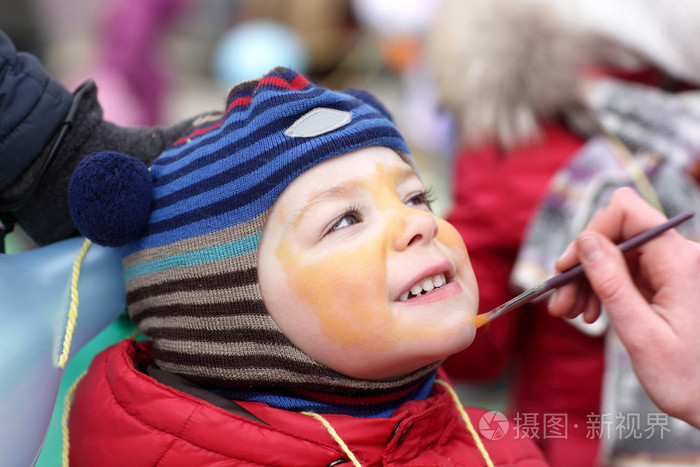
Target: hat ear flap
(368, 98)
(109, 198)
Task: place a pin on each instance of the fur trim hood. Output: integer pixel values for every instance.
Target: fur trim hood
(503, 67)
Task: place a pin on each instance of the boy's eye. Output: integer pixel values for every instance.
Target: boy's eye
(420, 199)
(349, 218)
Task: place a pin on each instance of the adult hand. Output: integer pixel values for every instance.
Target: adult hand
(652, 295)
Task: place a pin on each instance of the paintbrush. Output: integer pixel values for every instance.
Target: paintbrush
(576, 271)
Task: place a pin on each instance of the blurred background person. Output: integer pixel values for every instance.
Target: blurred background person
(556, 104)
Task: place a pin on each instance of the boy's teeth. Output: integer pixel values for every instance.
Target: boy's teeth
(439, 280)
(426, 285)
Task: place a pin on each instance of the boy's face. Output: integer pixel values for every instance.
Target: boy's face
(343, 246)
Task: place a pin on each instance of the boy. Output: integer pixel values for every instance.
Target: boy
(298, 291)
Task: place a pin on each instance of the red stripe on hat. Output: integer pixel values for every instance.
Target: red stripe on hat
(197, 132)
(239, 101)
(275, 81)
(297, 83)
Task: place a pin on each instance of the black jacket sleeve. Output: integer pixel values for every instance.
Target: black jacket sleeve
(32, 106)
(37, 162)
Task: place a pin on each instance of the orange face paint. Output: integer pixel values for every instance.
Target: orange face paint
(321, 284)
(347, 276)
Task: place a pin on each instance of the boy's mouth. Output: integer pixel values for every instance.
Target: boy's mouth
(424, 286)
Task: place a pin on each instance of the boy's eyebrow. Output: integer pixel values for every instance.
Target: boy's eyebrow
(348, 188)
(342, 190)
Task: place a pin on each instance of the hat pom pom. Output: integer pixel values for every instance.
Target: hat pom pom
(109, 198)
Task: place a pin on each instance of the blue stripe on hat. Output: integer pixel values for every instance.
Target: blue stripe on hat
(245, 190)
(254, 133)
(176, 157)
(199, 227)
(229, 166)
(194, 258)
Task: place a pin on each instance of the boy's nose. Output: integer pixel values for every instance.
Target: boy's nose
(415, 227)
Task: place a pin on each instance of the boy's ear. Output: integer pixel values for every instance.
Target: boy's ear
(368, 98)
(109, 198)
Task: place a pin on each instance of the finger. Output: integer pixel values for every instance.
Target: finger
(582, 294)
(567, 259)
(592, 310)
(607, 273)
(563, 301)
(590, 305)
(573, 299)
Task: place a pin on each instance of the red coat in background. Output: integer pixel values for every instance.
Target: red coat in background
(557, 369)
(121, 416)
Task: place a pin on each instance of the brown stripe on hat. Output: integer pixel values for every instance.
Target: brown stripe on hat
(220, 280)
(237, 321)
(199, 315)
(219, 341)
(261, 343)
(218, 297)
(189, 312)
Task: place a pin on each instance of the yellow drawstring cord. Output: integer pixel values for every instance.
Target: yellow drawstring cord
(73, 308)
(133, 334)
(67, 401)
(458, 404)
(336, 437)
(467, 421)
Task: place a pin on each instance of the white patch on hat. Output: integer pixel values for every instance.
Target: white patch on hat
(317, 122)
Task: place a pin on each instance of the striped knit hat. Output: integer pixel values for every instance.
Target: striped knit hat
(190, 257)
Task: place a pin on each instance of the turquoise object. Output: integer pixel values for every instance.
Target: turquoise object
(35, 295)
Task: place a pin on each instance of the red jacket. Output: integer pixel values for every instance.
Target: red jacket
(121, 416)
(557, 369)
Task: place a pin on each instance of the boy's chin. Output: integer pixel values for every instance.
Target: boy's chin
(461, 342)
(413, 362)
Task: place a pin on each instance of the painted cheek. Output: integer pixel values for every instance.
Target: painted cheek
(345, 290)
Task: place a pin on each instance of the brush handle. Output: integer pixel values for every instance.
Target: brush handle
(571, 274)
(577, 271)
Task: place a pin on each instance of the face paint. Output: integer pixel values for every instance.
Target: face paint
(331, 274)
(347, 288)
(322, 283)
